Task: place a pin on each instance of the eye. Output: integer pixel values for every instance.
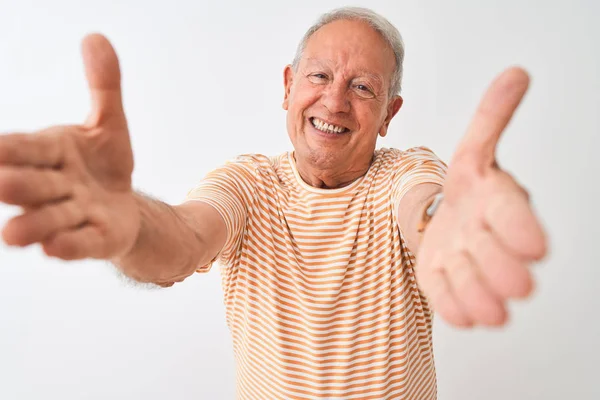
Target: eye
(364, 90)
(318, 77)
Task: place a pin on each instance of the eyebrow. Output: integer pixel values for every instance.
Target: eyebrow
(324, 62)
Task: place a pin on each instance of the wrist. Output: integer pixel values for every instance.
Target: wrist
(132, 238)
(429, 211)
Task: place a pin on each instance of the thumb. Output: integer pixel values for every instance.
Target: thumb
(492, 116)
(104, 79)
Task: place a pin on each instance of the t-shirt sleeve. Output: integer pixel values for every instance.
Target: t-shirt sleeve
(230, 190)
(415, 166)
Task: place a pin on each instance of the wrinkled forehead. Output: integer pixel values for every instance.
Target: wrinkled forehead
(351, 45)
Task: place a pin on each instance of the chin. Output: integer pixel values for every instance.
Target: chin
(324, 159)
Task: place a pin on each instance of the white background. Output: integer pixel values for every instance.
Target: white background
(203, 82)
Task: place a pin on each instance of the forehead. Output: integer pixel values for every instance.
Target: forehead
(352, 45)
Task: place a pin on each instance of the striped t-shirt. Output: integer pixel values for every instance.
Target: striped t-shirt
(319, 286)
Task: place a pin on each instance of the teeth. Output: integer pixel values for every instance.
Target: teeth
(325, 127)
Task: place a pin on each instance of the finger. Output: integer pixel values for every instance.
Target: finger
(28, 186)
(493, 114)
(43, 149)
(474, 297)
(104, 80)
(75, 244)
(434, 284)
(511, 219)
(505, 274)
(38, 224)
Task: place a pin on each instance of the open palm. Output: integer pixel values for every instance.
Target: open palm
(74, 182)
(475, 253)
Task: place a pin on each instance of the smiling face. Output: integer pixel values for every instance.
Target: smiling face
(338, 100)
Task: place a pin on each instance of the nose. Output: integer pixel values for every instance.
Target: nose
(335, 98)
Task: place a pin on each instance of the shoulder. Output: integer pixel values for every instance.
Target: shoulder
(401, 164)
(251, 166)
(257, 159)
(393, 154)
(412, 155)
(257, 162)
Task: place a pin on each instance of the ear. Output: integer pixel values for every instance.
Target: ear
(288, 78)
(393, 108)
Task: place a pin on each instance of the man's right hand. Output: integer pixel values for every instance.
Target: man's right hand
(74, 182)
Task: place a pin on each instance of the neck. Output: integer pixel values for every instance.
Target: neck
(328, 178)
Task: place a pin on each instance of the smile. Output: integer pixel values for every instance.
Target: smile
(327, 128)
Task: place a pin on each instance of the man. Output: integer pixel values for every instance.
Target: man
(322, 248)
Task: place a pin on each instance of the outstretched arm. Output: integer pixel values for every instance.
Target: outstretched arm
(173, 241)
(73, 184)
(475, 251)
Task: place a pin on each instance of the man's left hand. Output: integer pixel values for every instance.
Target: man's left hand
(475, 253)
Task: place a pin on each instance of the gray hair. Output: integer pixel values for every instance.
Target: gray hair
(385, 28)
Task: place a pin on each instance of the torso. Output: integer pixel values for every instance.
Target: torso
(321, 295)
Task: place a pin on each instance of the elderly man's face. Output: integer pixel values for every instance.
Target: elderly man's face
(343, 81)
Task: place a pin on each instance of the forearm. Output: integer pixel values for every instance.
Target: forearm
(167, 248)
(411, 210)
